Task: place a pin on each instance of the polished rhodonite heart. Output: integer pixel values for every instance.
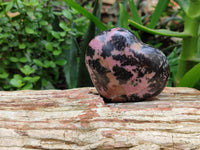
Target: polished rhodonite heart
(123, 69)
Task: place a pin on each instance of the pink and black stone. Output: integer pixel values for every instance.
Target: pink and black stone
(123, 69)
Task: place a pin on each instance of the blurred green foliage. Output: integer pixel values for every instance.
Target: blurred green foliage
(35, 42)
(182, 59)
(42, 43)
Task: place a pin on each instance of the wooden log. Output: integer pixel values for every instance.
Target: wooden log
(79, 119)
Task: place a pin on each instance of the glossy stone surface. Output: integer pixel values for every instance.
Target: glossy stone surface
(123, 69)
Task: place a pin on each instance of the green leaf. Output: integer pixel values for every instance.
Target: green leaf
(57, 52)
(27, 78)
(47, 85)
(63, 34)
(14, 59)
(73, 64)
(173, 60)
(134, 12)
(22, 46)
(23, 59)
(77, 20)
(48, 64)
(9, 6)
(67, 14)
(30, 13)
(173, 65)
(63, 25)
(38, 62)
(27, 70)
(184, 4)
(43, 23)
(55, 34)
(17, 81)
(57, 13)
(191, 77)
(83, 76)
(32, 79)
(35, 79)
(38, 15)
(162, 32)
(49, 46)
(4, 75)
(87, 14)
(44, 82)
(28, 86)
(31, 3)
(160, 7)
(29, 30)
(61, 62)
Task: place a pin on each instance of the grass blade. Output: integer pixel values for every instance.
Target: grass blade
(160, 7)
(184, 4)
(83, 75)
(71, 68)
(191, 78)
(134, 12)
(98, 15)
(124, 16)
(87, 14)
(162, 32)
(173, 65)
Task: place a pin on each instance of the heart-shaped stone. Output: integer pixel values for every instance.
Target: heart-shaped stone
(123, 69)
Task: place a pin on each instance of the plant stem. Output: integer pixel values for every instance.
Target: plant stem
(190, 44)
(162, 32)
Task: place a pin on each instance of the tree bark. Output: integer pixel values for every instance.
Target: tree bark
(79, 119)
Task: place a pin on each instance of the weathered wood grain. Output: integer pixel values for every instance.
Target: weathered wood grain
(79, 119)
